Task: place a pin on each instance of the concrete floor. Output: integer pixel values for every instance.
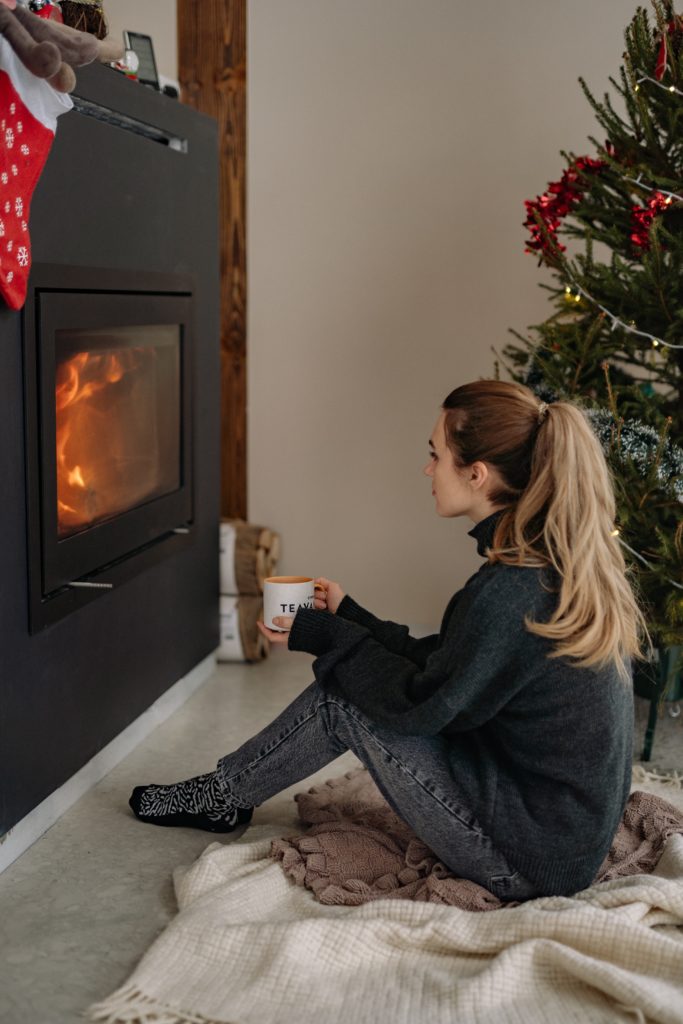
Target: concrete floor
(81, 906)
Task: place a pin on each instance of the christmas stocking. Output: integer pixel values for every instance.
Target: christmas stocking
(29, 108)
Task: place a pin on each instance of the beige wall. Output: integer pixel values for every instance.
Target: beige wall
(391, 146)
(155, 18)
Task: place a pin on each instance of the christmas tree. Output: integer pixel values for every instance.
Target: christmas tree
(614, 341)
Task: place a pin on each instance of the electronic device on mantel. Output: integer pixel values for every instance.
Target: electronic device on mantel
(147, 67)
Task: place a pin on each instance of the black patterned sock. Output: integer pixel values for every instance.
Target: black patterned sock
(195, 803)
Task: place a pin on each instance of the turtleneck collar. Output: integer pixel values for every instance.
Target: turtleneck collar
(483, 531)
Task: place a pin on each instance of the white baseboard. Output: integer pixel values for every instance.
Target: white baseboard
(38, 821)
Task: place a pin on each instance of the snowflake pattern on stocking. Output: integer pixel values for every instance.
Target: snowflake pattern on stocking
(30, 108)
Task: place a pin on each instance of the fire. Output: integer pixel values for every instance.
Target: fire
(76, 477)
(104, 424)
(105, 368)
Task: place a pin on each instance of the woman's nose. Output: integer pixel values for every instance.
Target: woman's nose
(428, 469)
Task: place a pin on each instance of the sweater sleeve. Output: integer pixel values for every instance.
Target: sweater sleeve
(391, 635)
(476, 669)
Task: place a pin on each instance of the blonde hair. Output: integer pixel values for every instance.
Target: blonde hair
(558, 495)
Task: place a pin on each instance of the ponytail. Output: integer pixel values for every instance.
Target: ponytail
(560, 508)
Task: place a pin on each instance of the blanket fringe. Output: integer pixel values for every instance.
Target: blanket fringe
(128, 1005)
(635, 1011)
(640, 774)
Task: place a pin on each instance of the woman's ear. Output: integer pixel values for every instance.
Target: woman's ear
(479, 475)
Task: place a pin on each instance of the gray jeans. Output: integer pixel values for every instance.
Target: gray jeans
(411, 772)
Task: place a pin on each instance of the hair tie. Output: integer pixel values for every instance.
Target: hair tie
(542, 411)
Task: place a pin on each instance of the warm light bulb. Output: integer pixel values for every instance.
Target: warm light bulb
(636, 88)
(672, 88)
(655, 343)
(614, 533)
(568, 290)
(577, 298)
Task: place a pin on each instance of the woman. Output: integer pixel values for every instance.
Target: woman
(505, 740)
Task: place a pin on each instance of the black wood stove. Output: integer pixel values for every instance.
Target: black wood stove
(109, 434)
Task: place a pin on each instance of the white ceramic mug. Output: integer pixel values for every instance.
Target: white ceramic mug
(284, 595)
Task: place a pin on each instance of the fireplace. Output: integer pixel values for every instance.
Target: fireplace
(108, 377)
(112, 599)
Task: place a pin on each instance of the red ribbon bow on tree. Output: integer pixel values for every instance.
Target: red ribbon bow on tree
(642, 217)
(556, 202)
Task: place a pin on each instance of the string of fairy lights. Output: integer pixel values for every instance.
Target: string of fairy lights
(630, 328)
(660, 85)
(575, 292)
(671, 196)
(615, 321)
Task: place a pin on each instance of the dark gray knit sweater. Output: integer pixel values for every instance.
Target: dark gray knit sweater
(540, 749)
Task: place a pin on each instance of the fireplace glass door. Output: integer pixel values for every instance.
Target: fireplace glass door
(117, 409)
(111, 434)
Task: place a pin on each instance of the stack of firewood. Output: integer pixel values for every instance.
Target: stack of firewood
(248, 556)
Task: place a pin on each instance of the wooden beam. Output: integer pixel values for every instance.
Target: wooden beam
(212, 63)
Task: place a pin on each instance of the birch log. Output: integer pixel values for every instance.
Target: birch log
(240, 638)
(246, 557)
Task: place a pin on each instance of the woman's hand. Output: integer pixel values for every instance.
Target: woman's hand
(329, 596)
(273, 635)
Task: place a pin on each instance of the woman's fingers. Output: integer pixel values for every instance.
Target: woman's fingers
(320, 598)
(285, 621)
(332, 596)
(273, 635)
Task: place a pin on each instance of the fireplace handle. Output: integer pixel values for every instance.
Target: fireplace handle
(109, 586)
(87, 583)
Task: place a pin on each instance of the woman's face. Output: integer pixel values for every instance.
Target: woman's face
(456, 492)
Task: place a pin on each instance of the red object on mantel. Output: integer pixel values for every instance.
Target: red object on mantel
(46, 9)
(25, 141)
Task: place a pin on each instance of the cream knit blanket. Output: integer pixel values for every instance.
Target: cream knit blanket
(250, 947)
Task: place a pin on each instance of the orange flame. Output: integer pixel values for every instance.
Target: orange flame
(76, 477)
(91, 450)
